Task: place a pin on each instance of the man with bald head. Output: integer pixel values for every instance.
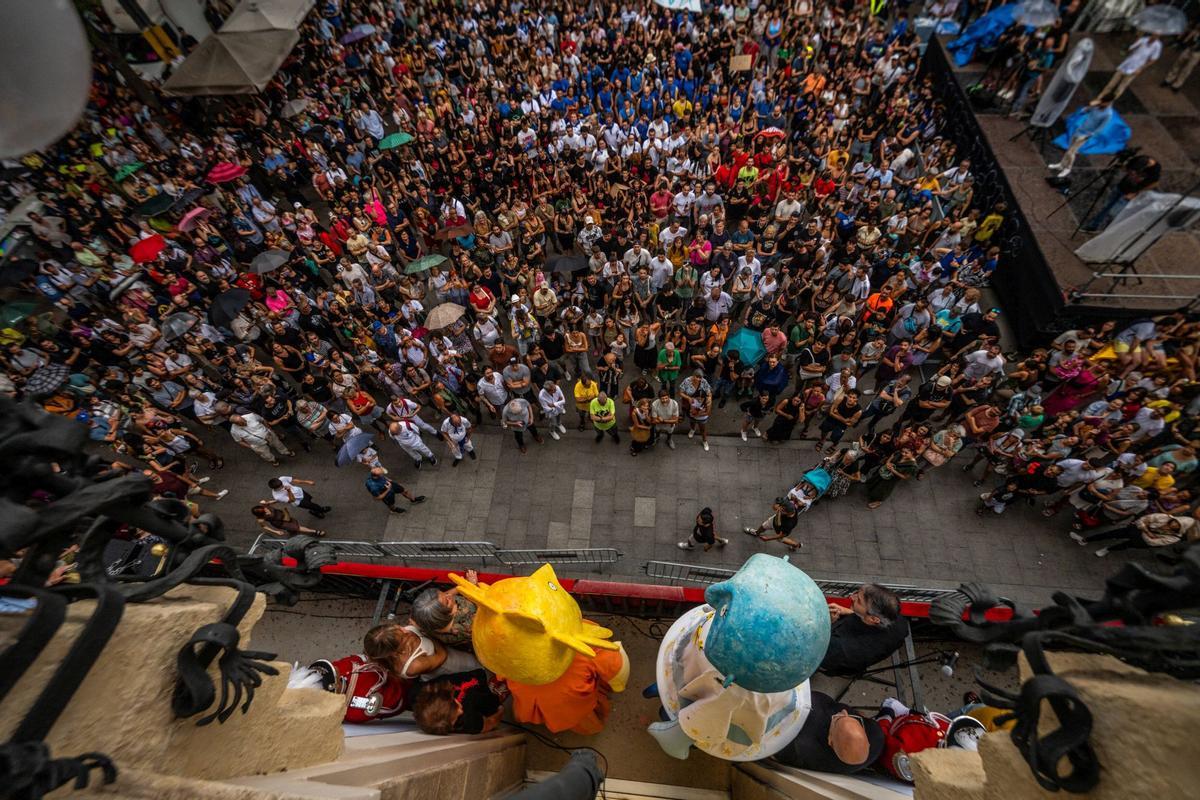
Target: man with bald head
(833, 739)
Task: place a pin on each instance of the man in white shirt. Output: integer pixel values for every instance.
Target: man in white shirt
(249, 430)
(456, 431)
(408, 436)
(984, 362)
(661, 271)
(717, 304)
(286, 489)
(682, 202)
(665, 413)
(674, 231)
(553, 404)
(1141, 54)
(636, 257)
(403, 409)
(492, 391)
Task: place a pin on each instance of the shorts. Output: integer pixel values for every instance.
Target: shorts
(1120, 347)
(700, 420)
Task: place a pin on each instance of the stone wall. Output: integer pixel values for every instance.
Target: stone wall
(1144, 735)
(123, 707)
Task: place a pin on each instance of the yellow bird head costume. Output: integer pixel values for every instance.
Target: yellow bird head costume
(529, 629)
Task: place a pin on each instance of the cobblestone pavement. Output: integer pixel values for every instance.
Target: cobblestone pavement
(577, 493)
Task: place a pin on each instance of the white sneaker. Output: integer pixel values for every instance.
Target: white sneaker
(1063, 174)
(205, 479)
(221, 494)
(685, 546)
(691, 433)
(1102, 552)
(1078, 538)
(745, 438)
(671, 443)
(757, 432)
(705, 446)
(868, 391)
(562, 428)
(1055, 165)
(554, 435)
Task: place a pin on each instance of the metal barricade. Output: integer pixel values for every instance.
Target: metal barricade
(437, 551)
(686, 573)
(346, 547)
(907, 594)
(587, 556)
(266, 542)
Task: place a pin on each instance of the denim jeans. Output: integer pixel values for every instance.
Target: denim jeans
(1113, 206)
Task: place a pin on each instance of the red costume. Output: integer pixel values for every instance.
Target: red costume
(909, 734)
(371, 691)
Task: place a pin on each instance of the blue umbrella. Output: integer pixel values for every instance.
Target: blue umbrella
(748, 344)
(353, 447)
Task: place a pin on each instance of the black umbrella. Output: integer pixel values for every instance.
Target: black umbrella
(566, 263)
(228, 305)
(156, 205)
(269, 261)
(188, 198)
(16, 271)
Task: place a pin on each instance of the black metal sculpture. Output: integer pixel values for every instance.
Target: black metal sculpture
(1134, 598)
(54, 495)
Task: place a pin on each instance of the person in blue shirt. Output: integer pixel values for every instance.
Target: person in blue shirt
(1095, 119)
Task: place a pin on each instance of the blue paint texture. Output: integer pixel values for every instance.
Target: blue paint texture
(771, 627)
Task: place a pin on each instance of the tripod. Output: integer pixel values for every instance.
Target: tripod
(1118, 162)
(1038, 134)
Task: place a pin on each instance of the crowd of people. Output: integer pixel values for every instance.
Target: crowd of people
(543, 214)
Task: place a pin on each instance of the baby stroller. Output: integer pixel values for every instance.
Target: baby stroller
(810, 488)
(801, 497)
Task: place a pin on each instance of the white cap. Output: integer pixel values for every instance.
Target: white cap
(588, 220)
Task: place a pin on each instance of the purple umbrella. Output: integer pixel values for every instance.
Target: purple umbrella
(358, 32)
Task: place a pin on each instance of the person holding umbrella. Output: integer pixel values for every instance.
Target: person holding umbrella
(384, 489)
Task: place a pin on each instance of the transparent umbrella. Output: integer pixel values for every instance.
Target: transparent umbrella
(293, 107)
(1160, 20)
(1036, 13)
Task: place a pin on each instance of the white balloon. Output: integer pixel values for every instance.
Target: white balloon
(45, 74)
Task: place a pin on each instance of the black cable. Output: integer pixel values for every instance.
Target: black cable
(548, 742)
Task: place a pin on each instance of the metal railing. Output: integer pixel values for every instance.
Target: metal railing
(455, 551)
(437, 551)
(686, 573)
(590, 556)
(691, 573)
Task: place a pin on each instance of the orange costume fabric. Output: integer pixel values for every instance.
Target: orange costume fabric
(577, 701)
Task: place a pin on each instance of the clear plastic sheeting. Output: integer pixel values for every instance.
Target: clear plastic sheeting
(1139, 225)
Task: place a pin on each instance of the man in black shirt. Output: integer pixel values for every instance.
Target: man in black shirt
(866, 633)
(1141, 174)
(833, 739)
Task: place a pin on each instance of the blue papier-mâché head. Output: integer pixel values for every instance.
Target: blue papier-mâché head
(771, 627)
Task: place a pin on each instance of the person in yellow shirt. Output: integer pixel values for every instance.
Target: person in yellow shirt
(586, 390)
(991, 223)
(1158, 479)
(682, 108)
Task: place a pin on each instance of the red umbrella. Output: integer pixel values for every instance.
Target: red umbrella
(225, 172)
(189, 220)
(772, 133)
(147, 249)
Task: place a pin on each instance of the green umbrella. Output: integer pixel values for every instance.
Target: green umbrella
(423, 263)
(127, 170)
(395, 140)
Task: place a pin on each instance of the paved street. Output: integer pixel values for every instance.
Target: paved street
(575, 493)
